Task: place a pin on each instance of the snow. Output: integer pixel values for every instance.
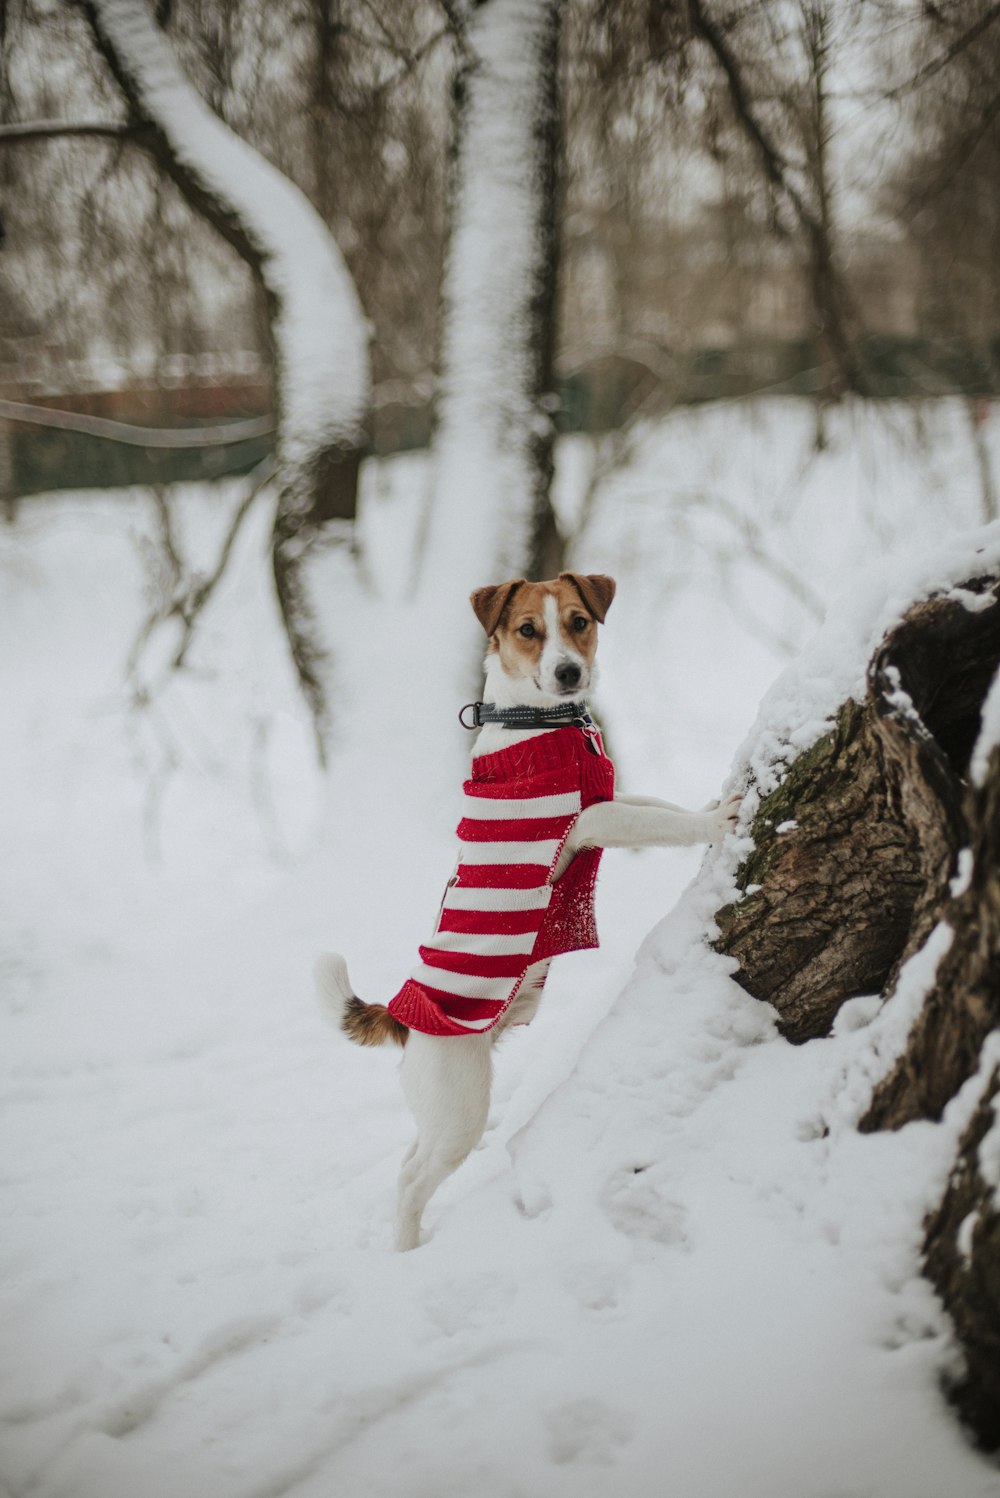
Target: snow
(800, 707)
(965, 1235)
(959, 1115)
(962, 877)
(989, 735)
(672, 1266)
(885, 1039)
(989, 1145)
(320, 331)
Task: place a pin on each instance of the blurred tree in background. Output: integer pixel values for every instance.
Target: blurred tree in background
(802, 195)
(944, 193)
(733, 199)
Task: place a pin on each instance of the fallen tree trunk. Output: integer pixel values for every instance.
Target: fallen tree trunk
(855, 848)
(883, 831)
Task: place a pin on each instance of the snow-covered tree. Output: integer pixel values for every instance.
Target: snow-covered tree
(494, 440)
(318, 330)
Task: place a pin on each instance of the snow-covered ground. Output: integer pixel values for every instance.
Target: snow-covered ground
(656, 1276)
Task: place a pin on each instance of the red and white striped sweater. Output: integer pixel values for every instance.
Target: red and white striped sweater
(500, 913)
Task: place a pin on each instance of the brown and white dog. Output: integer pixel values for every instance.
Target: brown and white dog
(542, 645)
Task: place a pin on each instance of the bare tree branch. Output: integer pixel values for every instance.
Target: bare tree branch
(186, 600)
(25, 131)
(771, 158)
(201, 591)
(829, 293)
(957, 47)
(967, 143)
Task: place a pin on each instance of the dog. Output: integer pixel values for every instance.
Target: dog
(539, 809)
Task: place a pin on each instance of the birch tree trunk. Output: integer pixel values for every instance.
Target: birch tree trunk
(490, 516)
(876, 870)
(319, 332)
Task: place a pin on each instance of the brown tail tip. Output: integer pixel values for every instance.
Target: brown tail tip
(371, 1024)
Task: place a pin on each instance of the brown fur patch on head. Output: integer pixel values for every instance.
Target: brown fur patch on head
(488, 604)
(371, 1024)
(595, 589)
(577, 622)
(519, 652)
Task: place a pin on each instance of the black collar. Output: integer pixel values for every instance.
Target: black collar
(572, 715)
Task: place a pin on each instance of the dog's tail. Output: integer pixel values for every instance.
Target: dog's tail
(365, 1024)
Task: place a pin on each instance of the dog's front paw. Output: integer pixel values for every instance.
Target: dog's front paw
(730, 808)
(721, 817)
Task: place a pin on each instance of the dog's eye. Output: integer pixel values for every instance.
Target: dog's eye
(580, 623)
(527, 629)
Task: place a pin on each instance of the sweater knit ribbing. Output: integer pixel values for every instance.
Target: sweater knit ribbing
(500, 913)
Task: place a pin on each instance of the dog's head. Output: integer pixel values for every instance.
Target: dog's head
(543, 636)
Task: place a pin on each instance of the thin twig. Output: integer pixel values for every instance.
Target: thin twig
(753, 547)
(199, 594)
(957, 47)
(34, 130)
(187, 602)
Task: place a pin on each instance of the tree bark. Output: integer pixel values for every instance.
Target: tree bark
(962, 1257)
(964, 1004)
(887, 827)
(872, 818)
(816, 926)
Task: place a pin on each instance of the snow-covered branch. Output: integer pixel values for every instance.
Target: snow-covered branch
(319, 330)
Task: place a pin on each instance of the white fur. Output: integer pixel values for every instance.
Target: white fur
(333, 986)
(446, 1078)
(559, 651)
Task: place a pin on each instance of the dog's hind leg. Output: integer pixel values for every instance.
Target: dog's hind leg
(446, 1081)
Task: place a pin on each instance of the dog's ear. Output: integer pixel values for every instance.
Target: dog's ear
(594, 588)
(488, 604)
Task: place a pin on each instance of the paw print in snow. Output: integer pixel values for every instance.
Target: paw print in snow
(587, 1430)
(638, 1206)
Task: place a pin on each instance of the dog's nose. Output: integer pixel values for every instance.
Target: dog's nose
(568, 675)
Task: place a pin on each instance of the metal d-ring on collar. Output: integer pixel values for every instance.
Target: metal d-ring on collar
(573, 715)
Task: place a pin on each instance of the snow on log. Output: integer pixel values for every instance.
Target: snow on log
(859, 814)
(827, 902)
(493, 446)
(320, 332)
